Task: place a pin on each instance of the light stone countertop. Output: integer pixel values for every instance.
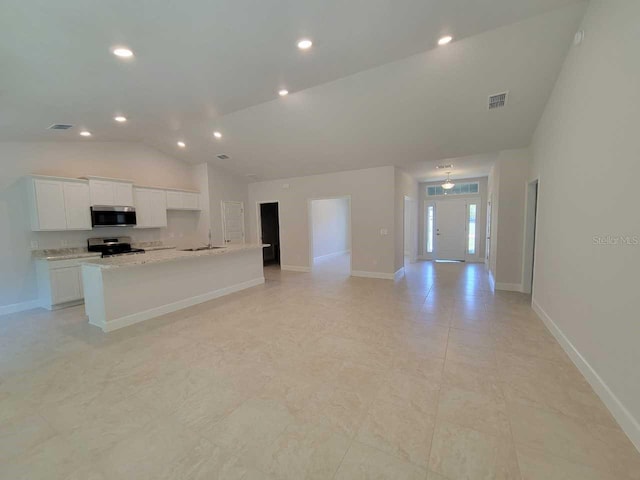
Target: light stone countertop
(63, 254)
(81, 252)
(165, 256)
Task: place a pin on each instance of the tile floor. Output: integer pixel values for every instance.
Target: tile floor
(311, 376)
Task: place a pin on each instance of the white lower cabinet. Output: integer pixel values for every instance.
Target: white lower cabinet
(59, 283)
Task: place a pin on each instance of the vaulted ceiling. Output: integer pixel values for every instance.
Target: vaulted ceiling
(373, 90)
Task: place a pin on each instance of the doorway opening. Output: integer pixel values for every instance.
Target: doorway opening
(269, 232)
(530, 237)
(330, 235)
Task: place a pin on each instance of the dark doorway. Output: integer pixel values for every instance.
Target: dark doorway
(270, 226)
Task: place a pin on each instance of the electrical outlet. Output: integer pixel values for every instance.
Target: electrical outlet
(34, 244)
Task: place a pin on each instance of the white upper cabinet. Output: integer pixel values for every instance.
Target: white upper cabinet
(59, 204)
(111, 193)
(76, 205)
(182, 200)
(151, 208)
(123, 193)
(174, 200)
(49, 213)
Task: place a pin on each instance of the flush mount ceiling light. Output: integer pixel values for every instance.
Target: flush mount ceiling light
(305, 44)
(85, 133)
(122, 52)
(283, 93)
(120, 118)
(445, 40)
(448, 184)
(217, 134)
(181, 144)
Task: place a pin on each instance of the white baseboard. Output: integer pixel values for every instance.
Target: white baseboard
(172, 307)
(19, 307)
(295, 268)
(334, 254)
(509, 287)
(625, 419)
(361, 273)
(399, 274)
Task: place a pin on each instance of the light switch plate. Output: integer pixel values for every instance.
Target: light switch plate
(384, 231)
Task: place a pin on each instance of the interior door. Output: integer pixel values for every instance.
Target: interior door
(233, 222)
(451, 216)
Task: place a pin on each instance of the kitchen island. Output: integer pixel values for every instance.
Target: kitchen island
(120, 291)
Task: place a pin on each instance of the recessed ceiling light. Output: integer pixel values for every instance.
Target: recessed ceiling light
(85, 133)
(444, 40)
(284, 92)
(305, 44)
(120, 118)
(217, 134)
(122, 52)
(182, 144)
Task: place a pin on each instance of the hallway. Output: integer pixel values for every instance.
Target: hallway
(309, 376)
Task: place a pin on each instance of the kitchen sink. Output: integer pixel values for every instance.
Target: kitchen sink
(198, 249)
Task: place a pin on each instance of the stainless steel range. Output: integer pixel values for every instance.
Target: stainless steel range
(112, 246)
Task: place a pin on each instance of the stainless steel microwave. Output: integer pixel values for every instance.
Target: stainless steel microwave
(106, 216)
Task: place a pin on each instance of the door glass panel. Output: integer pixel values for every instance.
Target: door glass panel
(430, 229)
(471, 248)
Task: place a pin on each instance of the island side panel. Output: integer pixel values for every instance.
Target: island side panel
(94, 302)
(140, 292)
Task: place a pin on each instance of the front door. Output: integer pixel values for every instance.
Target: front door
(451, 216)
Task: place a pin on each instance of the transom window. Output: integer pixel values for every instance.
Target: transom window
(459, 189)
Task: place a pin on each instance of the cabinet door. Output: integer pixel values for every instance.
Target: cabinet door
(159, 203)
(50, 205)
(102, 192)
(76, 205)
(174, 200)
(144, 215)
(123, 194)
(65, 285)
(190, 201)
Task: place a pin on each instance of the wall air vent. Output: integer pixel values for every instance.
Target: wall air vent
(59, 126)
(498, 100)
(444, 167)
(222, 156)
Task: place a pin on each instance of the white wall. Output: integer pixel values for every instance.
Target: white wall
(509, 183)
(481, 215)
(224, 186)
(586, 152)
(405, 185)
(330, 224)
(134, 161)
(372, 208)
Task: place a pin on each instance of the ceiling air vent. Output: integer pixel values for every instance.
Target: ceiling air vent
(222, 156)
(444, 167)
(59, 126)
(498, 100)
